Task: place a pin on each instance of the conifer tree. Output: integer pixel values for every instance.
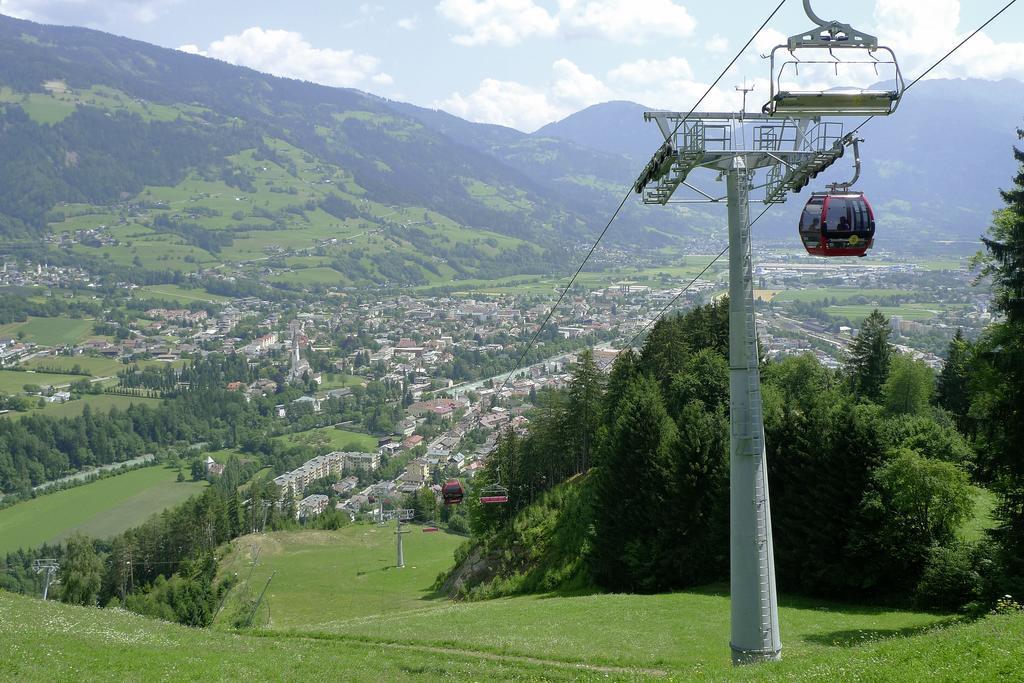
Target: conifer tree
(951, 390)
(870, 356)
(584, 410)
(999, 376)
(633, 488)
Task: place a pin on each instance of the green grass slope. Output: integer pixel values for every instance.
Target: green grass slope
(101, 509)
(50, 641)
(342, 586)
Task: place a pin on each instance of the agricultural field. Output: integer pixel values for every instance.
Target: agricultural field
(906, 311)
(50, 331)
(101, 508)
(841, 294)
(182, 295)
(328, 439)
(96, 366)
(337, 380)
(97, 403)
(13, 381)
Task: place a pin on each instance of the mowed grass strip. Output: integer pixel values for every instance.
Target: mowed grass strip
(332, 577)
(50, 331)
(101, 509)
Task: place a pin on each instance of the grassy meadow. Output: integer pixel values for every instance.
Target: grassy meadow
(101, 509)
(14, 381)
(326, 439)
(50, 331)
(323, 577)
(342, 586)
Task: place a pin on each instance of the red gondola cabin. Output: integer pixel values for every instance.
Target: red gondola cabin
(837, 224)
(452, 492)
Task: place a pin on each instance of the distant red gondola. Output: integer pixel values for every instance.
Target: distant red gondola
(837, 224)
(452, 492)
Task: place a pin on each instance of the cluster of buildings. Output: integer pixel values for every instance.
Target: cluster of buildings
(331, 464)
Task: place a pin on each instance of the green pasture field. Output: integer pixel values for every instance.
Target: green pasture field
(343, 585)
(96, 366)
(907, 311)
(52, 641)
(338, 604)
(349, 574)
(50, 331)
(328, 439)
(841, 294)
(337, 380)
(99, 403)
(327, 277)
(101, 509)
(12, 381)
(182, 295)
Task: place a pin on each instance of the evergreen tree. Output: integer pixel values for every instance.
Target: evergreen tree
(998, 383)
(633, 493)
(870, 356)
(952, 391)
(584, 410)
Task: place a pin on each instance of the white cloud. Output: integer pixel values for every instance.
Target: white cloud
(502, 22)
(408, 23)
(509, 103)
(649, 71)
(626, 20)
(716, 43)
(86, 12)
(288, 54)
(509, 22)
(921, 32)
(660, 84)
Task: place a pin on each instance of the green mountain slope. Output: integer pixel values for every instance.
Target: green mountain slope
(97, 130)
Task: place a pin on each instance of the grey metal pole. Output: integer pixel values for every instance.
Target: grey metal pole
(755, 617)
(400, 560)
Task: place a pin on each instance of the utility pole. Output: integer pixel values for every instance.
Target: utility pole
(401, 515)
(48, 565)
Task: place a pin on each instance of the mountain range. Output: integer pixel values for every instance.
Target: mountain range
(98, 125)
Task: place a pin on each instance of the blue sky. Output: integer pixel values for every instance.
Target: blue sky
(524, 63)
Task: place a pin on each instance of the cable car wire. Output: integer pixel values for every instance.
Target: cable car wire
(945, 56)
(629, 192)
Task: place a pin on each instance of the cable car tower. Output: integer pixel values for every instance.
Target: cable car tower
(793, 144)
